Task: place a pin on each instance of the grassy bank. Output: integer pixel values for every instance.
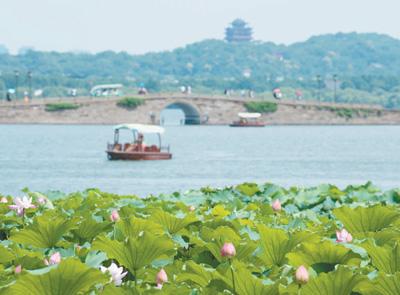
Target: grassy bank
(248, 239)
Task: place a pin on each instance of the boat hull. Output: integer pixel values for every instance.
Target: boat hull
(247, 125)
(138, 156)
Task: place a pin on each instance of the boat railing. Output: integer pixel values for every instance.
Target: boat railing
(164, 148)
(111, 146)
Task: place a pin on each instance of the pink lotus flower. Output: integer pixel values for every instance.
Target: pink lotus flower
(116, 273)
(302, 275)
(276, 205)
(20, 204)
(18, 269)
(161, 278)
(114, 216)
(55, 258)
(228, 250)
(343, 236)
(4, 200)
(191, 208)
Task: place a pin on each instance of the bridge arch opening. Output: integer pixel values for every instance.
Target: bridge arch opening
(180, 113)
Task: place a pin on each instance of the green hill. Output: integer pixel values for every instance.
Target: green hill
(367, 63)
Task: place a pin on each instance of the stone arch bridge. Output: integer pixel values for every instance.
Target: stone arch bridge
(197, 110)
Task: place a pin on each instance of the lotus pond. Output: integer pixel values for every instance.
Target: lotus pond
(248, 239)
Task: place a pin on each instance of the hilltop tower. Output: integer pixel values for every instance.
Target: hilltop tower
(238, 31)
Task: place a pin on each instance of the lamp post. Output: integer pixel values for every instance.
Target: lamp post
(334, 88)
(30, 84)
(16, 83)
(2, 85)
(319, 87)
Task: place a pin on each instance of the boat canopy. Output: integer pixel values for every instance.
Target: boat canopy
(249, 115)
(141, 128)
(106, 89)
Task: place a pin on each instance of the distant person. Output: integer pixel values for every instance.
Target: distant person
(152, 117)
(299, 95)
(140, 142)
(251, 93)
(277, 93)
(26, 97)
(189, 90)
(8, 96)
(142, 91)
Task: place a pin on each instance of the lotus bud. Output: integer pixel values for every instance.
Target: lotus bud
(228, 250)
(54, 259)
(18, 269)
(4, 200)
(114, 216)
(343, 236)
(349, 238)
(302, 275)
(276, 205)
(161, 278)
(191, 208)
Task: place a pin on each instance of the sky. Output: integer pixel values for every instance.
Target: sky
(155, 25)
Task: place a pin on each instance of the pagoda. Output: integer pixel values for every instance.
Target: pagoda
(238, 31)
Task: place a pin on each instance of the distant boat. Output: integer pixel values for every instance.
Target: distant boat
(137, 149)
(248, 120)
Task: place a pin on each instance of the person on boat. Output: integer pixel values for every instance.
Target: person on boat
(140, 142)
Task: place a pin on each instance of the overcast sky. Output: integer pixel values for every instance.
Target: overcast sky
(153, 25)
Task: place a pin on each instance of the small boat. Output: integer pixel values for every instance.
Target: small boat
(137, 149)
(248, 120)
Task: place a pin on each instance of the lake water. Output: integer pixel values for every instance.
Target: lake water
(72, 158)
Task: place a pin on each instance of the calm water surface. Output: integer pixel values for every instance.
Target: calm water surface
(72, 158)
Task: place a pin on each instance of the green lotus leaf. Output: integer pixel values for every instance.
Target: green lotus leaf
(5, 255)
(136, 253)
(385, 236)
(386, 259)
(111, 289)
(95, 259)
(361, 221)
(245, 251)
(45, 231)
(89, 228)
(323, 257)
(196, 274)
(220, 211)
(388, 284)
(132, 227)
(276, 243)
(245, 282)
(342, 281)
(27, 258)
(248, 189)
(171, 223)
(70, 277)
(221, 234)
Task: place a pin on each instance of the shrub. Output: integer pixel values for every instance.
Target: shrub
(350, 113)
(60, 106)
(261, 106)
(130, 102)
